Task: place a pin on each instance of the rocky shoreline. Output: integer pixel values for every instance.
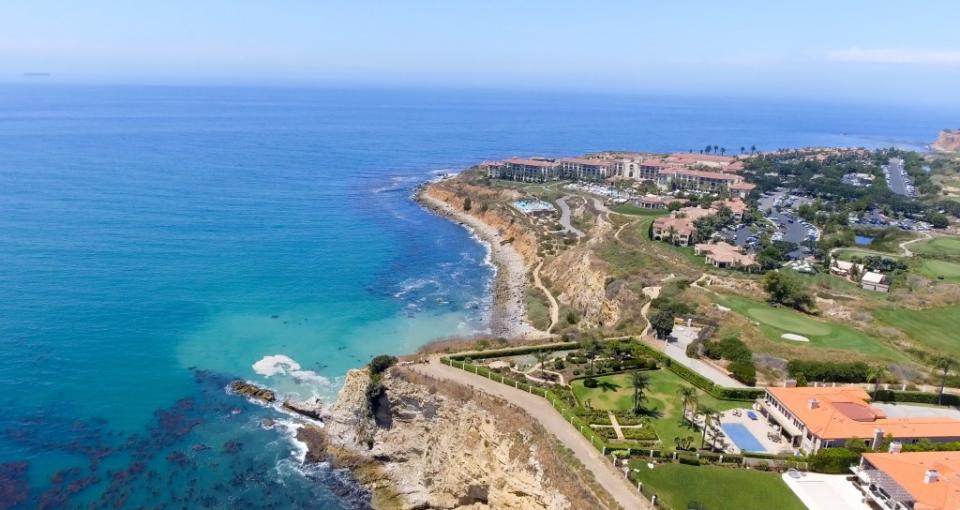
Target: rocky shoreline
(508, 316)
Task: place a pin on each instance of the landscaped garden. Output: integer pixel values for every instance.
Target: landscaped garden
(777, 321)
(662, 404)
(715, 488)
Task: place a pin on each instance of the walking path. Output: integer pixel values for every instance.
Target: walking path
(652, 293)
(554, 307)
(616, 425)
(606, 475)
(565, 217)
(903, 245)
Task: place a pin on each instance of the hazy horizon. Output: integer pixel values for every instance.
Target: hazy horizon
(854, 51)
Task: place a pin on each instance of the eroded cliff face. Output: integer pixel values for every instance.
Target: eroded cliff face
(437, 452)
(581, 279)
(524, 242)
(948, 141)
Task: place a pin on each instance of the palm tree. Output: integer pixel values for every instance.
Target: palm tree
(742, 149)
(943, 363)
(716, 148)
(753, 148)
(723, 150)
(688, 396)
(875, 374)
(708, 149)
(707, 416)
(640, 382)
(541, 357)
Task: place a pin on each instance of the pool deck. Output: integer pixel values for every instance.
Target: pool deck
(826, 492)
(759, 428)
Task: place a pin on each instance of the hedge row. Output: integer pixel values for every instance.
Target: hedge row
(917, 396)
(514, 351)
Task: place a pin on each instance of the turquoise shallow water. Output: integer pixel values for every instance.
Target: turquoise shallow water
(157, 242)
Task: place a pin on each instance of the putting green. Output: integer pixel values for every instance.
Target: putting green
(788, 320)
(941, 246)
(935, 269)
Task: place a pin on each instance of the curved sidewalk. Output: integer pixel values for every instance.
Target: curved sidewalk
(606, 475)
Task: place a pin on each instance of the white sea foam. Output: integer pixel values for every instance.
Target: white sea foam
(280, 365)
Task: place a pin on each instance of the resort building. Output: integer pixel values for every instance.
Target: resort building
(585, 169)
(741, 189)
(911, 481)
(525, 170)
(657, 202)
(726, 256)
(813, 418)
(737, 207)
(845, 269)
(679, 228)
(699, 180)
(875, 281)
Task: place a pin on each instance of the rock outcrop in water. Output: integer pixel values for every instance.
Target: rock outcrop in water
(948, 141)
(439, 451)
(253, 391)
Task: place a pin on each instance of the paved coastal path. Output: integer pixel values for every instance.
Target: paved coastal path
(606, 475)
(903, 245)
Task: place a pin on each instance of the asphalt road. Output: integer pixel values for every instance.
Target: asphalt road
(895, 176)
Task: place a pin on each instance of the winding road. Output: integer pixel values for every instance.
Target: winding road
(603, 471)
(565, 217)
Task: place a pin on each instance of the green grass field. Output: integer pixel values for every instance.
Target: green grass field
(940, 270)
(848, 253)
(775, 321)
(938, 247)
(638, 211)
(615, 393)
(934, 328)
(716, 488)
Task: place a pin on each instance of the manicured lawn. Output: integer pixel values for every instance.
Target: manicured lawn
(940, 270)
(775, 321)
(935, 328)
(848, 253)
(941, 246)
(662, 401)
(717, 488)
(638, 211)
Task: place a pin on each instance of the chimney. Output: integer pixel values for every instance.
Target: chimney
(931, 476)
(813, 403)
(895, 447)
(877, 438)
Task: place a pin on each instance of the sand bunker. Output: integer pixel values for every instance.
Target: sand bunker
(794, 337)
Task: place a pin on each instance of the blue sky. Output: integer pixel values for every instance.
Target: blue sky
(881, 50)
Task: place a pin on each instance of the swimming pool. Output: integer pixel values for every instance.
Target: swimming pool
(741, 436)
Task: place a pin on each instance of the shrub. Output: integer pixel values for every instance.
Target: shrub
(559, 364)
(833, 460)
(828, 371)
(689, 460)
(381, 363)
(916, 396)
(744, 371)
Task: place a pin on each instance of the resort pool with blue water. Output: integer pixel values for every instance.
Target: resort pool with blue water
(742, 437)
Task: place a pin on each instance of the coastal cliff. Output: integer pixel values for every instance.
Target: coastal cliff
(512, 248)
(948, 141)
(441, 446)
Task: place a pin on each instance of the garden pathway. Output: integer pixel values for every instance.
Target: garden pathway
(603, 471)
(554, 307)
(616, 425)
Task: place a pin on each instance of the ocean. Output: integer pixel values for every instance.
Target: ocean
(158, 242)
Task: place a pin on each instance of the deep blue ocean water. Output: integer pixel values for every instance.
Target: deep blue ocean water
(156, 243)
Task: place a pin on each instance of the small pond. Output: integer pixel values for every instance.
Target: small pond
(863, 240)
